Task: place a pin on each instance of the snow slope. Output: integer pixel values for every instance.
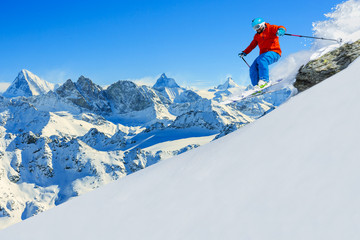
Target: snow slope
(292, 174)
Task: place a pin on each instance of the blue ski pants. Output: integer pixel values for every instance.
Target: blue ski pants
(260, 67)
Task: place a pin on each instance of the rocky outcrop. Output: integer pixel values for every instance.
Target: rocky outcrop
(327, 65)
(126, 96)
(85, 94)
(68, 90)
(209, 120)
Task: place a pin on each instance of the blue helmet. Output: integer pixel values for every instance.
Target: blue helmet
(257, 23)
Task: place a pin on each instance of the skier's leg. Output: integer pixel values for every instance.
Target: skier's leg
(254, 73)
(264, 60)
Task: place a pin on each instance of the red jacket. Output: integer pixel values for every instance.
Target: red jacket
(267, 40)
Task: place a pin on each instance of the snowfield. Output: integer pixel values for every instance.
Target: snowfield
(292, 174)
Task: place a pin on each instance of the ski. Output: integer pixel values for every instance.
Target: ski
(256, 92)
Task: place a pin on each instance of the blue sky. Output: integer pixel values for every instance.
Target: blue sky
(196, 42)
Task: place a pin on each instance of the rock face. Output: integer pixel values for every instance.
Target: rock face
(324, 67)
(84, 93)
(126, 96)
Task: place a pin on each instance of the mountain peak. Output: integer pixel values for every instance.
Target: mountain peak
(228, 84)
(84, 81)
(27, 84)
(165, 82)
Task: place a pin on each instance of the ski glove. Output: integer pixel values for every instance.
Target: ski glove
(280, 32)
(242, 54)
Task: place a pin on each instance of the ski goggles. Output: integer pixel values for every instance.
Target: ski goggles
(258, 26)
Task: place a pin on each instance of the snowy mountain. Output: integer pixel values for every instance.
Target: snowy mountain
(27, 84)
(173, 92)
(227, 85)
(84, 93)
(168, 87)
(223, 91)
(292, 174)
(61, 144)
(165, 82)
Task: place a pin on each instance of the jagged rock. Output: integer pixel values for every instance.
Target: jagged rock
(93, 118)
(30, 137)
(229, 129)
(118, 139)
(254, 107)
(138, 159)
(324, 67)
(68, 90)
(202, 104)
(85, 94)
(155, 126)
(208, 120)
(32, 209)
(94, 138)
(126, 97)
(4, 212)
(93, 94)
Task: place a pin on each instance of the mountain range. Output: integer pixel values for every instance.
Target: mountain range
(59, 142)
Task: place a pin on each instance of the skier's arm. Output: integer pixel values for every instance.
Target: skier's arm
(274, 29)
(252, 45)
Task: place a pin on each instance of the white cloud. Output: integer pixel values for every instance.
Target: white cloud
(55, 76)
(148, 81)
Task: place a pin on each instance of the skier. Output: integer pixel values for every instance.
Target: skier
(267, 38)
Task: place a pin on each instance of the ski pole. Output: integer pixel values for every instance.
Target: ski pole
(294, 35)
(245, 61)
